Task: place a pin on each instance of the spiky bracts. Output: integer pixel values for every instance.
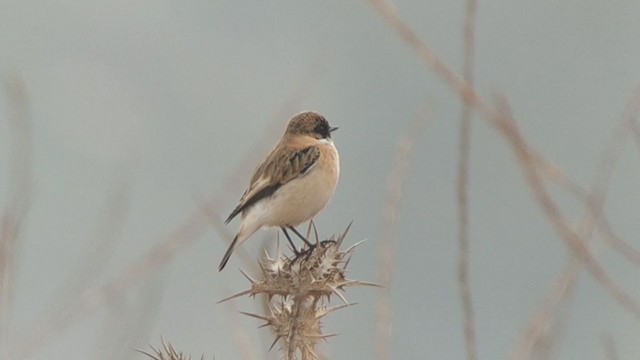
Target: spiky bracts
(299, 289)
(166, 352)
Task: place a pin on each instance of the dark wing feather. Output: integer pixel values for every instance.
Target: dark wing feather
(278, 169)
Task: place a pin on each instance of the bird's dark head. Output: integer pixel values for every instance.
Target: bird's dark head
(310, 123)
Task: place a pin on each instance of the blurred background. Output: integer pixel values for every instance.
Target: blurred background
(120, 119)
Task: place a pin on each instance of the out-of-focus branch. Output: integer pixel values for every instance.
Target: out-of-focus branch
(630, 128)
(463, 188)
(20, 172)
(616, 242)
(528, 158)
(609, 348)
(593, 218)
(556, 217)
(389, 244)
(466, 92)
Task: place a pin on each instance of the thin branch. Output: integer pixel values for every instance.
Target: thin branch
(463, 188)
(389, 245)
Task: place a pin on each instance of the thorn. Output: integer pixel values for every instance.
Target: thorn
(344, 234)
(363, 283)
(274, 342)
(246, 292)
(309, 228)
(337, 292)
(346, 263)
(147, 354)
(335, 308)
(251, 280)
(350, 249)
(256, 316)
(315, 231)
(264, 271)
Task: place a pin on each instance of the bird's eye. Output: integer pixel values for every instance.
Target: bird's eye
(321, 128)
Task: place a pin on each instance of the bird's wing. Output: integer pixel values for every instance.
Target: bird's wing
(279, 168)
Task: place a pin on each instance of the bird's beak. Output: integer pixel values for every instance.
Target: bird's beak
(333, 129)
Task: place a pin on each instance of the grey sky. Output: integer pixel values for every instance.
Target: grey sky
(168, 97)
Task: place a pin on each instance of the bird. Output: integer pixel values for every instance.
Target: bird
(293, 184)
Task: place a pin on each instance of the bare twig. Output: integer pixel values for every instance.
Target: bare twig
(463, 188)
(388, 247)
(19, 196)
(557, 176)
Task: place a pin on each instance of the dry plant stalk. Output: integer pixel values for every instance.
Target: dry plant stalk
(299, 289)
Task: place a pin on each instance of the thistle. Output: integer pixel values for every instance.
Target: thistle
(299, 289)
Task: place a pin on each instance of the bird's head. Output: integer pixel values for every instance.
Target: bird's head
(310, 123)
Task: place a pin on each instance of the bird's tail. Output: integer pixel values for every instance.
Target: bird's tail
(227, 255)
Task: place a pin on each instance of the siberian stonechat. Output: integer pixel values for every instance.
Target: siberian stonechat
(294, 182)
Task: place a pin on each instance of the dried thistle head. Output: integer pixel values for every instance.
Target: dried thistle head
(299, 288)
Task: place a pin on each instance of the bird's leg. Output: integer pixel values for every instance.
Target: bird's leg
(284, 230)
(300, 236)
